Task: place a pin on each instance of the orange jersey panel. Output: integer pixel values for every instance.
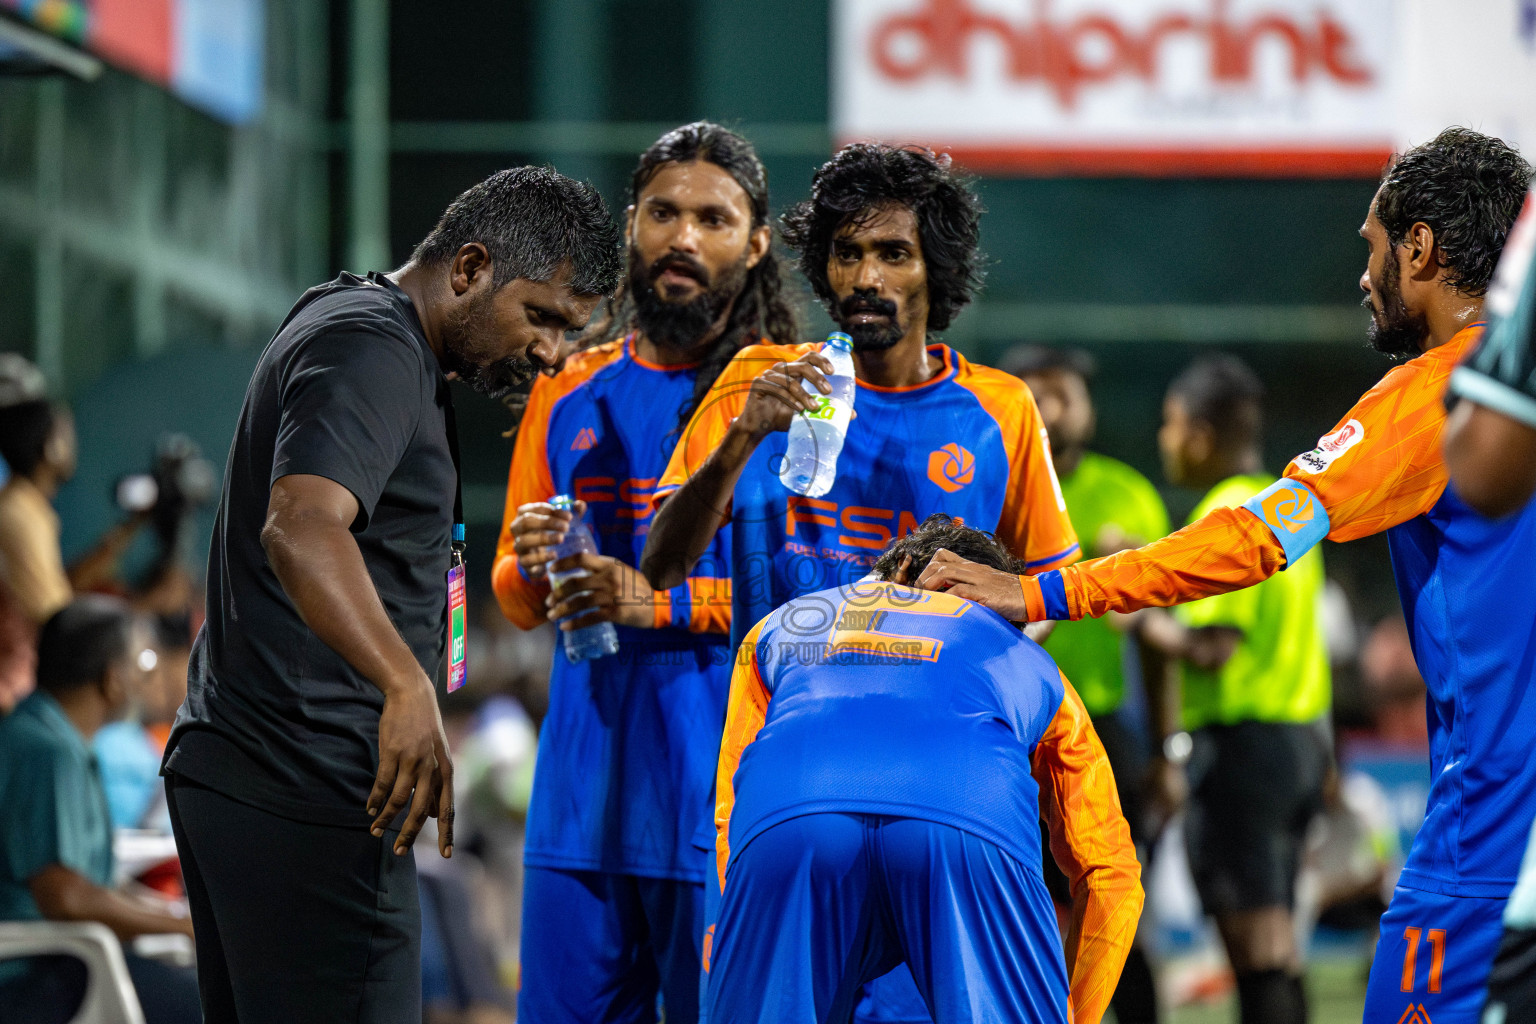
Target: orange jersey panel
(1092, 844)
(745, 714)
(529, 479)
(1381, 464)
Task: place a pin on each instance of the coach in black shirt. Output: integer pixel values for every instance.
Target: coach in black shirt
(310, 752)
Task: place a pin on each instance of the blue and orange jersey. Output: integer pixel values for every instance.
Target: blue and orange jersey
(1465, 585)
(880, 699)
(627, 752)
(968, 442)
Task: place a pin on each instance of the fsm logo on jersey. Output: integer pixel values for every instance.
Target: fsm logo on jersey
(1286, 87)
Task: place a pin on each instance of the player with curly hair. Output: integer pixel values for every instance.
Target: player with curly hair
(619, 824)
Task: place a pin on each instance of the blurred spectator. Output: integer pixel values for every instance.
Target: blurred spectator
(37, 442)
(55, 836)
(129, 752)
(1394, 689)
(20, 381)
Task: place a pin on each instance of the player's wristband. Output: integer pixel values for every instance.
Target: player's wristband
(1045, 596)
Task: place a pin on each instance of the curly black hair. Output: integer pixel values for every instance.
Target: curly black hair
(762, 310)
(944, 531)
(1466, 186)
(865, 176)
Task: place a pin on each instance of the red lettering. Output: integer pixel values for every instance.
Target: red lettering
(1066, 54)
(1338, 53)
(588, 488)
(801, 511)
(865, 534)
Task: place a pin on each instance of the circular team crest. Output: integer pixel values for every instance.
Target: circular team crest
(951, 468)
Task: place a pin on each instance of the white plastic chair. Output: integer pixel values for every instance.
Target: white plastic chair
(109, 994)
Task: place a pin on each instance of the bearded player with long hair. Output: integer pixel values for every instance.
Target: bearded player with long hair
(619, 827)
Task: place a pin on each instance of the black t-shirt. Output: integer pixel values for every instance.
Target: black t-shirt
(349, 390)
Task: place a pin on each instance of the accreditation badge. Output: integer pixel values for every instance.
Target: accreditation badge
(456, 644)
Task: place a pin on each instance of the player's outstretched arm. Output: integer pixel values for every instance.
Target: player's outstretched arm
(1227, 550)
(1092, 843)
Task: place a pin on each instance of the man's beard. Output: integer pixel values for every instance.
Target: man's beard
(462, 336)
(682, 325)
(869, 337)
(1395, 331)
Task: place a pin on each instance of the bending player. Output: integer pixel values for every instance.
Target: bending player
(888, 241)
(887, 754)
(1435, 230)
(619, 825)
(1490, 450)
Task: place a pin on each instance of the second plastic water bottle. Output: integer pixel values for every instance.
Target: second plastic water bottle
(599, 639)
(816, 437)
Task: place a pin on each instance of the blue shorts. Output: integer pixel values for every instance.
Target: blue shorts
(1433, 958)
(602, 948)
(817, 906)
(892, 999)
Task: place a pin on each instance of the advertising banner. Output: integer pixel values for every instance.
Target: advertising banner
(1288, 88)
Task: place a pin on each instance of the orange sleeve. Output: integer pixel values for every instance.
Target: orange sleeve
(1092, 844)
(1226, 550)
(745, 713)
(726, 398)
(1034, 521)
(711, 600)
(530, 479)
(1381, 464)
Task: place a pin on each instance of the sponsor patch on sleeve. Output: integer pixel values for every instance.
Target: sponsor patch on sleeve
(1293, 514)
(1330, 447)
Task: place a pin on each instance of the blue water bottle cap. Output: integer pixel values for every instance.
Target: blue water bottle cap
(839, 340)
(458, 532)
(564, 502)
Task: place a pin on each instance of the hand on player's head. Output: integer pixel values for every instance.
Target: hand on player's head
(945, 554)
(997, 589)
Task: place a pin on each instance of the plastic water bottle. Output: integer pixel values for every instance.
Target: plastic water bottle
(599, 639)
(816, 437)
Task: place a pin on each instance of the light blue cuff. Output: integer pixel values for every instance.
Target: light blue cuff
(1294, 514)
